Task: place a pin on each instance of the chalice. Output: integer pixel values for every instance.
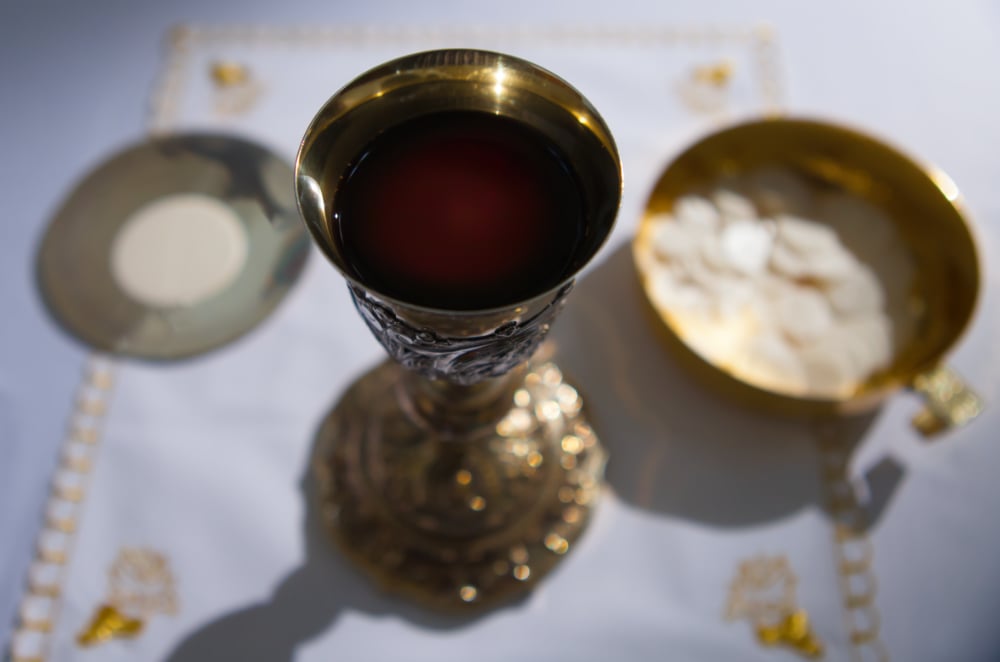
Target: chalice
(459, 192)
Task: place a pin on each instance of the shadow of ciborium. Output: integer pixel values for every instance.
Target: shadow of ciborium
(681, 448)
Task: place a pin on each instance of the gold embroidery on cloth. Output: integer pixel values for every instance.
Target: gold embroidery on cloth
(39, 609)
(235, 88)
(706, 88)
(854, 552)
(763, 592)
(140, 585)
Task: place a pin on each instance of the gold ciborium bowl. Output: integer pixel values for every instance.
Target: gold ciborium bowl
(929, 224)
(460, 471)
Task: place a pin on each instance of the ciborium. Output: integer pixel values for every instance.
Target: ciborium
(459, 192)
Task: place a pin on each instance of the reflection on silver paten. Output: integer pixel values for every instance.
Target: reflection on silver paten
(74, 260)
(460, 359)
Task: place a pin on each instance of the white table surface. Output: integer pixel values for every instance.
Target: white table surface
(75, 78)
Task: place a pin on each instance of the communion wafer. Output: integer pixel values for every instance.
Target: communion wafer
(791, 289)
(859, 292)
(802, 314)
(697, 212)
(732, 206)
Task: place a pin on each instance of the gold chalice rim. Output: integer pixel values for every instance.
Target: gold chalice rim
(367, 87)
(880, 385)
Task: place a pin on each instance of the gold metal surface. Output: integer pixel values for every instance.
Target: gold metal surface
(924, 205)
(456, 519)
(446, 474)
(949, 401)
(74, 261)
(444, 80)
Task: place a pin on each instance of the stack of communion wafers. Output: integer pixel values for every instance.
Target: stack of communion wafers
(792, 287)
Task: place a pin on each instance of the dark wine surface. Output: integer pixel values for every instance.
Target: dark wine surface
(460, 210)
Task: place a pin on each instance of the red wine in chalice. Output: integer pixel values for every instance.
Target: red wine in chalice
(460, 210)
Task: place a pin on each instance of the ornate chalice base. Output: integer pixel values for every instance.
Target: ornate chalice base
(458, 496)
